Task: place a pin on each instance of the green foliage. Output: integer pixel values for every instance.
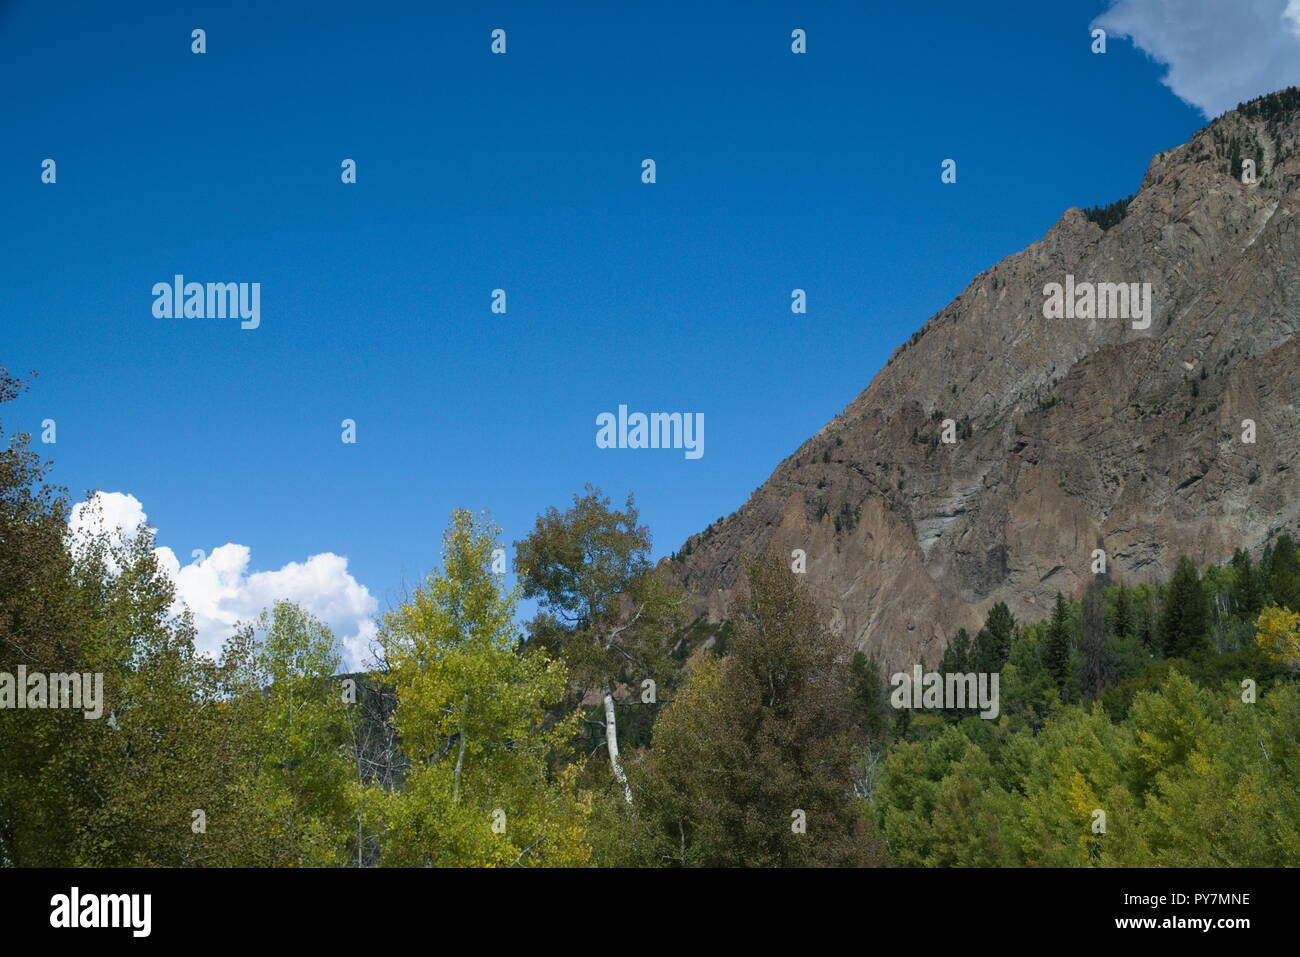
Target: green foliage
(1095, 649)
(580, 560)
(754, 760)
(1109, 215)
(119, 788)
(471, 713)
(1123, 625)
(1190, 778)
(299, 787)
(1274, 108)
(1247, 588)
(1168, 713)
(1029, 691)
(1184, 618)
(1000, 625)
(957, 656)
(1058, 645)
(1283, 565)
(939, 804)
(869, 698)
(1278, 635)
(603, 610)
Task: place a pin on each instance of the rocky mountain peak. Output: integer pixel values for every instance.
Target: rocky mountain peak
(1003, 443)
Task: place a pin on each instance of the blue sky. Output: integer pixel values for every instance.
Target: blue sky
(522, 172)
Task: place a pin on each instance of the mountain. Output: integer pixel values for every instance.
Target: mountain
(1072, 434)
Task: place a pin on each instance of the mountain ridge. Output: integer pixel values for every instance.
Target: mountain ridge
(1072, 434)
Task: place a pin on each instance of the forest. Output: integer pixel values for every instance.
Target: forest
(1139, 724)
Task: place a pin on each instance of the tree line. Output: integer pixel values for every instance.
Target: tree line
(614, 729)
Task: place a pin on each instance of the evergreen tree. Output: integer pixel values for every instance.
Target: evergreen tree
(754, 761)
(984, 655)
(957, 656)
(1123, 624)
(1263, 575)
(1245, 592)
(1001, 624)
(1185, 617)
(870, 700)
(1028, 691)
(1092, 640)
(1146, 628)
(1058, 646)
(1284, 574)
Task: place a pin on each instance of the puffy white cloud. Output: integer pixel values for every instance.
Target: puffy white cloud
(1218, 53)
(111, 512)
(220, 591)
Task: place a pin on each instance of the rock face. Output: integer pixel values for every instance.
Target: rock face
(1072, 433)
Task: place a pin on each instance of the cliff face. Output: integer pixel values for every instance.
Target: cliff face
(1073, 433)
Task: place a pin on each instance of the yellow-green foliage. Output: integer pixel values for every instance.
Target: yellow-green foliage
(471, 714)
(298, 790)
(1190, 778)
(1278, 633)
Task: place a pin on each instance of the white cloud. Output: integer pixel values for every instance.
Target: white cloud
(105, 512)
(220, 590)
(1218, 52)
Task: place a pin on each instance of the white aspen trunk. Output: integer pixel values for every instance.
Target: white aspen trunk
(611, 742)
